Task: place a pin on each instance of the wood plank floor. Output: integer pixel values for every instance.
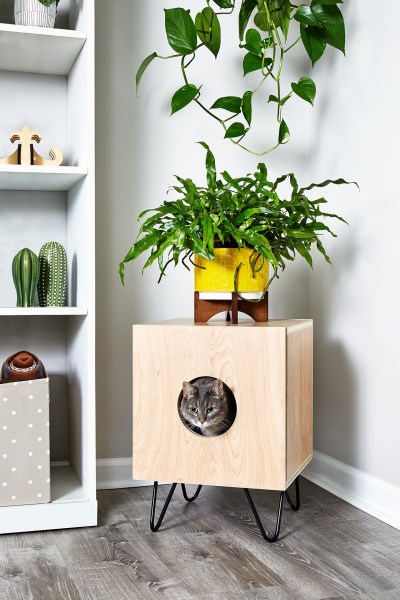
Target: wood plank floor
(210, 549)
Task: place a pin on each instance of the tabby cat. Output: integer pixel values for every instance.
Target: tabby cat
(206, 406)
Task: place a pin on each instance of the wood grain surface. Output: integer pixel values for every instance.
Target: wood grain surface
(252, 360)
(299, 398)
(209, 550)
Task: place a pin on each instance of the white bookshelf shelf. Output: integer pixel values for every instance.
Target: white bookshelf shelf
(65, 486)
(50, 179)
(39, 50)
(70, 507)
(50, 311)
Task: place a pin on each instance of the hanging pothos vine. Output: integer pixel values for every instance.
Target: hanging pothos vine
(319, 24)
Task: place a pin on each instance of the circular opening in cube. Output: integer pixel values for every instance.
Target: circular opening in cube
(207, 406)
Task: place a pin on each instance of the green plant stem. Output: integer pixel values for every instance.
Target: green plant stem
(183, 70)
(278, 85)
(209, 112)
(168, 57)
(292, 45)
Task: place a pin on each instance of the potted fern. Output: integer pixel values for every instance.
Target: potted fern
(39, 13)
(243, 224)
(248, 213)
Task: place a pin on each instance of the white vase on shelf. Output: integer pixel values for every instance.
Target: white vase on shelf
(33, 12)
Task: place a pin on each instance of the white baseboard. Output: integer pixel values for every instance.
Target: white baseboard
(114, 473)
(371, 494)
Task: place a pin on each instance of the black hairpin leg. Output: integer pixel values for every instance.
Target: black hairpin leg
(156, 527)
(294, 506)
(186, 496)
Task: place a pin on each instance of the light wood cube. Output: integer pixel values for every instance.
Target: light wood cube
(268, 367)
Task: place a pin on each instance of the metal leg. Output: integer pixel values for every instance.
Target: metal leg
(156, 527)
(186, 496)
(268, 538)
(293, 506)
(282, 495)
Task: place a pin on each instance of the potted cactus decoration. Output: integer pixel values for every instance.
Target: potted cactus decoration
(52, 287)
(39, 13)
(25, 270)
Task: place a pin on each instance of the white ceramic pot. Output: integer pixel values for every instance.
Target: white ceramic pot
(33, 12)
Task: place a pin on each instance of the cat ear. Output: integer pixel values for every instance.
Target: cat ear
(188, 390)
(217, 388)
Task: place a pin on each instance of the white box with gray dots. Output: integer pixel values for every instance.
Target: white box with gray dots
(24, 443)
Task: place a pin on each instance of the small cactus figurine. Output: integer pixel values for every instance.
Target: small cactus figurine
(25, 270)
(52, 288)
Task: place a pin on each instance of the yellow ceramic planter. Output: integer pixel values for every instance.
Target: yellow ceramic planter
(218, 275)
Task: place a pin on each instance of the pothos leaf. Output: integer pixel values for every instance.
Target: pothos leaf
(231, 103)
(236, 130)
(251, 63)
(209, 30)
(313, 42)
(305, 89)
(280, 14)
(246, 10)
(284, 133)
(282, 101)
(253, 41)
(332, 20)
(261, 19)
(183, 97)
(181, 31)
(229, 3)
(247, 106)
(305, 15)
(143, 67)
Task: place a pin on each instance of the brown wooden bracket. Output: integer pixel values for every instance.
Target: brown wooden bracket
(205, 309)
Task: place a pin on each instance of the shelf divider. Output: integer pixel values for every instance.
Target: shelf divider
(48, 311)
(32, 178)
(38, 49)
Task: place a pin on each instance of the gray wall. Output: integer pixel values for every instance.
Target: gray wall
(356, 305)
(139, 148)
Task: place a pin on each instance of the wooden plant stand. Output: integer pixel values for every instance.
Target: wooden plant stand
(205, 309)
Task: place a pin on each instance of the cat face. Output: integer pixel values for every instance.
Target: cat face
(204, 405)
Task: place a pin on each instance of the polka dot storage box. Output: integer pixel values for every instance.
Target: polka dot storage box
(24, 443)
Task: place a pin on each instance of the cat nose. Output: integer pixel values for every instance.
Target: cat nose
(202, 420)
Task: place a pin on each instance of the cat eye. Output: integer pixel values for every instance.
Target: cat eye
(193, 409)
(210, 409)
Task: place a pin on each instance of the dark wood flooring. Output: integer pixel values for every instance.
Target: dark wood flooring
(211, 550)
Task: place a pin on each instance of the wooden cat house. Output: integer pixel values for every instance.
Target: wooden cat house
(268, 367)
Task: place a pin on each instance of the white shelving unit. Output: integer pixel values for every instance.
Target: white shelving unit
(50, 179)
(51, 311)
(39, 50)
(55, 69)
